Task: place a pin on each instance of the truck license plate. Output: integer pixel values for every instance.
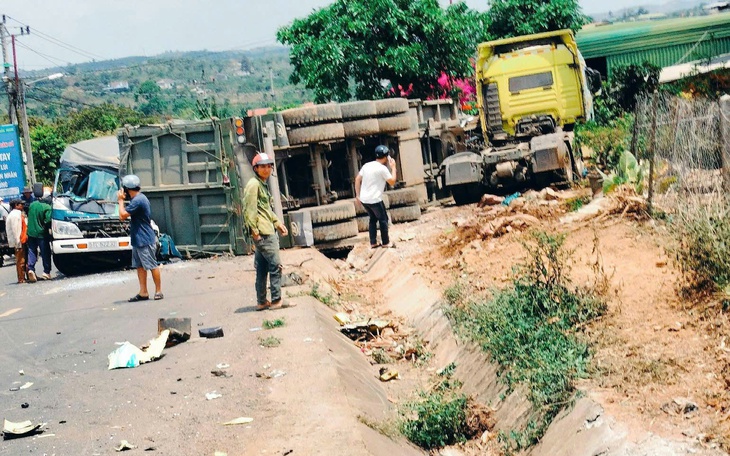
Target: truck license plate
(105, 244)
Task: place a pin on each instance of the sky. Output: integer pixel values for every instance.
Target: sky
(75, 31)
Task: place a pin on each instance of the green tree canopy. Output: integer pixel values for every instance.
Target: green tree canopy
(508, 18)
(352, 47)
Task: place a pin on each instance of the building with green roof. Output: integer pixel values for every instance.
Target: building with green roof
(662, 42)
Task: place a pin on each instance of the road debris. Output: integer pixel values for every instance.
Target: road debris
(211, 333)
(180, 330)
(222, 366)
(365, 329)
(388, 374)
(21, 372)
(213, 395)
(291, 279)
(220, 373)
(13, 430)
(128, 355)
(276, 373)
(24, 405)
(239, 420)
(124, 446)
(680, 406)
(26, 385)
(342, 318)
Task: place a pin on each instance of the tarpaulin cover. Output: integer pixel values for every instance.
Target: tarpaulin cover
(102, 152)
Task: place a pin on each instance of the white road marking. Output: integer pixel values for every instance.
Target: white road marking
(10, 312)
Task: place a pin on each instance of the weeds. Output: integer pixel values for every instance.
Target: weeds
(271, 324)
(575, 203)
(387, 428)
(325, 298)
(381, 356)
(269, 342)
(531, 329)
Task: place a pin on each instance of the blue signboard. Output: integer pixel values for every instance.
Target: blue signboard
(11, 163)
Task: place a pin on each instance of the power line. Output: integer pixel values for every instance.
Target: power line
(61, 96)
(45, 56)
(58, 42)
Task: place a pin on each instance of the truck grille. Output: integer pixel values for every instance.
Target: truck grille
(92, 229)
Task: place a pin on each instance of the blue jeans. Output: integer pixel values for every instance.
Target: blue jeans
(44, 245)
(267, 263)
(377, 215)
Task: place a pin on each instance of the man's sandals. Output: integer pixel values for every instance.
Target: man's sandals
(138, 297)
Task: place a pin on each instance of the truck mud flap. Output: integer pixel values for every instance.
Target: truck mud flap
(462, 168)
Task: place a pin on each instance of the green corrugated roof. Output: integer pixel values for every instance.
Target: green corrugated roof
(632, 37)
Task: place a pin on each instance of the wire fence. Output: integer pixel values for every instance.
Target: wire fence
(687, 144)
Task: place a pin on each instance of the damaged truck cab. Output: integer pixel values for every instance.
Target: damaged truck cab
(531, 90)
(87, 232)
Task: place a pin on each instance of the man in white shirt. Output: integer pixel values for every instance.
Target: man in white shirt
(15, 229)
(369, 186)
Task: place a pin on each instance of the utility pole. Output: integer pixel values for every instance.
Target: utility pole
(6, 72)
(271, 83)
(19, 96)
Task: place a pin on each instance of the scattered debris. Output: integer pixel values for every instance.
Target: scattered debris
(213, 395)
(490, 200)
(211, 333)
(342, 318)
(24, 405)
(366, 329)
(220, 373)
(124, 446)
(222, 366)
(21, 372)
(680, 406)
(26, 385)
(276, 373)
(255, 329)
(13, 430)
(387, 374)
(239, 420)
(407, 236)
(14, 388)
(127, 355)
(180, 330)
(291, 279)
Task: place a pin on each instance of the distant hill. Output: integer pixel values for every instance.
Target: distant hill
(671, 8)
(228, 82)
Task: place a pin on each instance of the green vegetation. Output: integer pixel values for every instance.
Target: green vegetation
(702, 250)
(437, 417)
(351, 46)
(508, 18)
(532, 330)
(271, 324)
(269, 342)
(325, 298)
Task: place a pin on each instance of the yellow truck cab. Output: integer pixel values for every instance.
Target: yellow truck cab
(531, 90)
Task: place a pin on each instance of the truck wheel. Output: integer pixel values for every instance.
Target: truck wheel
(329, 233)
(394, 124)
(405, 213)
(402, 197)
(391, 106)
(363, 223)
(466, 194)
(579, 168)
(2, 260)
(312, 114)
(341, 210)
(316, 133)
(360, 128)
(358, 110)
(360, 209)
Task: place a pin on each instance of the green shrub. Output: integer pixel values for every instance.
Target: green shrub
(531, 329)
(437, 417)
(271, 324)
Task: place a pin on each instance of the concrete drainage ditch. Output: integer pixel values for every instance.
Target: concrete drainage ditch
(583, 429)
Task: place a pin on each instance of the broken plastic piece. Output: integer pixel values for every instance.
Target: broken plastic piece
(239, 420)
(387, 375)
(211, 333)
(124, 446)
(127, 355)
(27, 385)
(180, 329)
(342, 318)
(23, 429)
(213, 395)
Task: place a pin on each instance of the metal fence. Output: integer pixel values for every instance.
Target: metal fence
(687, 144)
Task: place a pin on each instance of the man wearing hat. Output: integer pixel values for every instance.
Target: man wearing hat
(369, 186)
(262, 224)
(27, 198)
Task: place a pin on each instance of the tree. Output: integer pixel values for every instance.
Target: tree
(152, 94)
(508, 18)
(360, 46)
(47, 145)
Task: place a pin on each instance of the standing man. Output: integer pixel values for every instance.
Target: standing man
(262, 224)
(143, 237)
(39, 220)
(16, 229)
(27, 198)
(369, 186)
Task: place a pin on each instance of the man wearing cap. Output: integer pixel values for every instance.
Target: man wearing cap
(369, 186)
(15, 228)
(27, 198)
(142, 235)
(262, 223)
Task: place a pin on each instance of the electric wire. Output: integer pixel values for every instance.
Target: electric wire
(58, 42)
(44, 56)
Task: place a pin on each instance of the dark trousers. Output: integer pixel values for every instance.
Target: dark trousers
(268, 265)
(377, 215)
(20, 263)
(34, 245)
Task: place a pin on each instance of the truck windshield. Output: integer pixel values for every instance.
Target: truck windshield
(531, 81)
(82, 185)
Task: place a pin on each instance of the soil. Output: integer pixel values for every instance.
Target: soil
(655, 353)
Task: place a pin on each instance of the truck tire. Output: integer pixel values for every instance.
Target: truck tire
(316, 133)
(329, 233)
(341, 210)
(466, 194)
(405, 213)
(358, 110)
(363, 223)
(402, 197)
(360, 128)
(394, 124)
(360, 209)
(390, 106)
(312, 114)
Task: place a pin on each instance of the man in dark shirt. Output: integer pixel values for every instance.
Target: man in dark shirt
(144, 240)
